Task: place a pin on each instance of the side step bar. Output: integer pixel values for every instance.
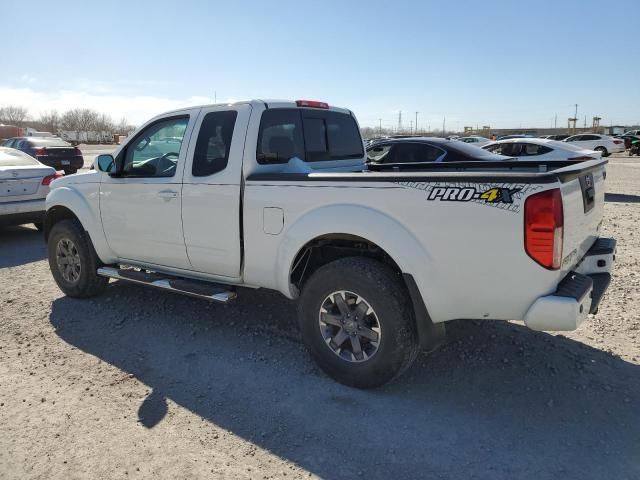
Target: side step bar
(193, 288)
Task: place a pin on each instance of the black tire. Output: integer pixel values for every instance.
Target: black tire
(70, 171)
(39, 226)
(384, 291)
(88, 282)
(603, 151)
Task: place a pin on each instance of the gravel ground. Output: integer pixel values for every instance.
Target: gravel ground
(139, 383)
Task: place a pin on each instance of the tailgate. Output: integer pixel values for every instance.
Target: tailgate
(583, 205)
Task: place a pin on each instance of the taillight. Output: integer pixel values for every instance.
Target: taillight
(618, 142)
(311, 103)
(77, 152)
(41, 152)
(543, 228)
(583, 158)
(48, 179)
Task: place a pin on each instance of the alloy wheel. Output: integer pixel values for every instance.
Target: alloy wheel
(349, 326)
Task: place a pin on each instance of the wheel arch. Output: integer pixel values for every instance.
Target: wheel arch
(332, 232)
(63, 203)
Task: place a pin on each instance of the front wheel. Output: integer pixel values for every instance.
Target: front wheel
(73, 261)
(358, 323)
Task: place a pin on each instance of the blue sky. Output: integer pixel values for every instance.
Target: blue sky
(499, 63)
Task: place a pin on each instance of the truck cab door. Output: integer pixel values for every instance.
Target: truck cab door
(212, 190)
(141, 209)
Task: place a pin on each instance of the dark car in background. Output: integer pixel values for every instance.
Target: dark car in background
(50, 151)
(405, 152)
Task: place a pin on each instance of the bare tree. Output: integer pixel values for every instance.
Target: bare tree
(104, 123)
(80, 120)
(124, 126)
(13, 115)
(50, 121)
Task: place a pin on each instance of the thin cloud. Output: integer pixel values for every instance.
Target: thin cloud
(135, 108)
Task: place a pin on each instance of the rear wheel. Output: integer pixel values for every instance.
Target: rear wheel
(73, 261)
(603, 151)
(358, 323)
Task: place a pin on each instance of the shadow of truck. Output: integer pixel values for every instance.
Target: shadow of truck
(498, 401)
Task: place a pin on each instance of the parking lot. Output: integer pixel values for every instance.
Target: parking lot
(140, 383)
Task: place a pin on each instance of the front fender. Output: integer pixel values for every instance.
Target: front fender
(87, 209)
(366, 222)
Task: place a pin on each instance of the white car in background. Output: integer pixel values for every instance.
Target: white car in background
(476, 140)
(24, 185)
(541, 149)
(602, 143)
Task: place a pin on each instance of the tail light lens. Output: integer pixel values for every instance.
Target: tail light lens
(47, 180)
(583, 158)
(618, 142)
(41, 152)
(77, 152)
(543, 228)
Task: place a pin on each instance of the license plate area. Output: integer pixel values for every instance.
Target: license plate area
(11, 188)
(65, 162)
(588, 192)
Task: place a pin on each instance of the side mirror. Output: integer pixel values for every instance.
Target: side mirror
(105, 163)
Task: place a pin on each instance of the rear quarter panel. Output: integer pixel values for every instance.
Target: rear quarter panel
(467, 257)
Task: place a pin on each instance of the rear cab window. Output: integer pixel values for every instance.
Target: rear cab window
(312, 135)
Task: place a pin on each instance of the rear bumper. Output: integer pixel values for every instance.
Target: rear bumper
(19, 207)
(578, 294)
(74, 162)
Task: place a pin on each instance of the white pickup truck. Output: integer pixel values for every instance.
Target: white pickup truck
(276, 194)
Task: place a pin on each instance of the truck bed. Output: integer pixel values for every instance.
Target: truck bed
(515, 171)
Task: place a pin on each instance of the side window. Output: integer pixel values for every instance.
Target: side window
(154, 152)
(576, 138)
(495, 148)
(508, 149)
(531, 149)
(378, 154)
(214, 140)
(590, 137)
(415, 153)
(280, 136)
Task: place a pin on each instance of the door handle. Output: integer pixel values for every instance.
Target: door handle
(167, 194)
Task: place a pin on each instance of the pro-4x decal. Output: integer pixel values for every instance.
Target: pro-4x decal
(464, 194)
(505, 196)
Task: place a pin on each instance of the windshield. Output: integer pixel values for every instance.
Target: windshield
(15, 158)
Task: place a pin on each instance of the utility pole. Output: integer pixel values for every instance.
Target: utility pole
(585, 122)
(380, 126)
(555, 124)
(410, 127)
(215, 97)
(444, 122)
(417, 121)
(400, 121)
